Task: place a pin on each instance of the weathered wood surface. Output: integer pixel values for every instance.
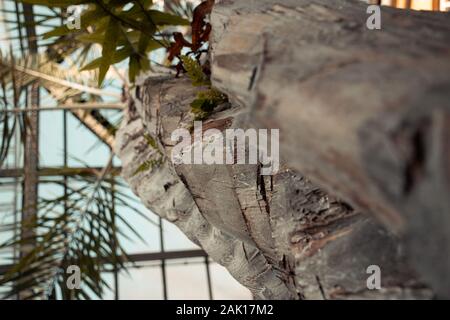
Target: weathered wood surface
(364, 114)
(280, 236)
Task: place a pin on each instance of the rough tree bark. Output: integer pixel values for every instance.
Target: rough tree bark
(364, 114)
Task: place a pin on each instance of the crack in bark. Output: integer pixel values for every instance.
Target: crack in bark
(322, 292)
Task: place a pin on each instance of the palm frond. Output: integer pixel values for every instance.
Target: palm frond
(9, 99)
(65, 84)
(77, 228)
(62, 83)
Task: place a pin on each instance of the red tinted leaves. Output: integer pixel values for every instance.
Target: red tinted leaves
(200, 31)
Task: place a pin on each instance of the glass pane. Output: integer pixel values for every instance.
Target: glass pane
(174, 239)
(109, 293)
(51, 139)
(84, 146)
(187, 282)
(147, 230)
(225, 287)
(141, 284)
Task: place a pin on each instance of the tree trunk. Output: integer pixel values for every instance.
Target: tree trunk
(363, 114)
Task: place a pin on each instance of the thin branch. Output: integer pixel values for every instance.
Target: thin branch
(66, 83)
(74, 106)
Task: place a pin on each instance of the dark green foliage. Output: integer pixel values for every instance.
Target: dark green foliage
(206, 102)
(207, 99)
(148, 165)
(153, 163)
(195, 72)
(151, 142)
(124, 29)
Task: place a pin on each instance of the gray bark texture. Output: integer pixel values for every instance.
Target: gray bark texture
(364, 120)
